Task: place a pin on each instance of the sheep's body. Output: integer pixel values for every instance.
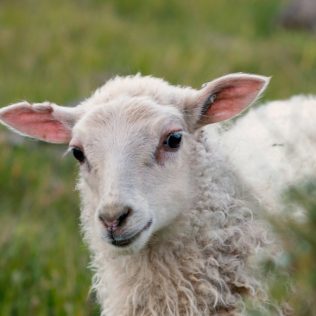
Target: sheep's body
(168, 231)
(273, 148)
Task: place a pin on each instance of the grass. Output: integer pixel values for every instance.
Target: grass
(43, 262)
(61, 51)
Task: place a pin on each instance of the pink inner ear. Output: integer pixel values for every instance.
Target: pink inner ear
(36, 122)
(232, 98)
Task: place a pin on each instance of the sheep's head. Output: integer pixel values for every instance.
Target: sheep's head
(133, 142)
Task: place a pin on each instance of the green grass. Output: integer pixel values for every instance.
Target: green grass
(61, 50)
(43, 265)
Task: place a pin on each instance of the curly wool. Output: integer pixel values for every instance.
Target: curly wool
(200, 265)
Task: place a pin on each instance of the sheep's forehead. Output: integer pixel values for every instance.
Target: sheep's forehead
(127, 118)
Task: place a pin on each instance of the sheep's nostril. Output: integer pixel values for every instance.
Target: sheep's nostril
(113, 222)
(123, 217)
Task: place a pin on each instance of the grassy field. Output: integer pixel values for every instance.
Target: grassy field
(61, 50)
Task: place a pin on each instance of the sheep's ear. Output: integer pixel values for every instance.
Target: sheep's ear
(226, 97)
(45, 121)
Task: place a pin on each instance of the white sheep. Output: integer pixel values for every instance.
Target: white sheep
(169, 235)
(273, 149)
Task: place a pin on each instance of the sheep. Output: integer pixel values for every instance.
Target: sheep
(160, 209)
(277, 142)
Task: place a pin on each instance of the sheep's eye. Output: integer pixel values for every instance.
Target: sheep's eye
(173, 140)
(78, 154)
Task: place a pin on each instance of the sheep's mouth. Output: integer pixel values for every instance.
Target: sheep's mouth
(129, 240)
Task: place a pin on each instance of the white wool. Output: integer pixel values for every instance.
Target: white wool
(272, 147)
(138, 86)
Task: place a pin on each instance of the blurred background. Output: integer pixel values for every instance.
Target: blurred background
(61, 51)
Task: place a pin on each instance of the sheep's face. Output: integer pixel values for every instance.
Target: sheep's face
(133, 141)
(134, 165)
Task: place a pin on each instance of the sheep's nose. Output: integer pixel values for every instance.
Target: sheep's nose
(112, 222)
